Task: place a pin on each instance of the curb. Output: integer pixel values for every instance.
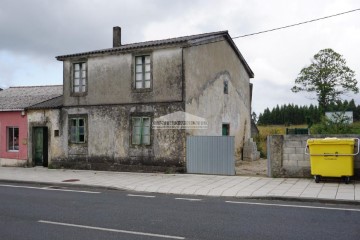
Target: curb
(307, 200)
(65, 185)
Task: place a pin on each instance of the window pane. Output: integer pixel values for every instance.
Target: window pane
(81, 122)
(76, 82)
(147, 84)
(146, 140)
(138, 60)
(73, 134)
(83, 66)
(138, 85)
(138, 68)
(146, 121)
(77, 66)
(81, 130)
(147, 76)
(147, 59)
(81, 138)
(76, 89)
(83, 75)
(147, 67)
(77, 74)
(136, 139)
(73, 122)
(146, 130)
(10, 139)
(139, 76)
(137, 121)
(137, 131)
(16, 138)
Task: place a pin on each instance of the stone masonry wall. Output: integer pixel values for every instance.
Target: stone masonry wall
(286, 155)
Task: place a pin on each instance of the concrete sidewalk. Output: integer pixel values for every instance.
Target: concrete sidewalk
(191, 184)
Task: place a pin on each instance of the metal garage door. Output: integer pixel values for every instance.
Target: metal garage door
(210, 155)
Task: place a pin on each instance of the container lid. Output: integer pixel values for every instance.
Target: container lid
(324, 141)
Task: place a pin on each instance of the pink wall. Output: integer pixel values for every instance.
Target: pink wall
(13, 119)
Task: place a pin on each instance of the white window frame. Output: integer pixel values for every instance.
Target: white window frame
(12, 147)
(143, 72)
(79, 78)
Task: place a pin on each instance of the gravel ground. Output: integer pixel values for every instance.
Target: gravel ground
(252, 168)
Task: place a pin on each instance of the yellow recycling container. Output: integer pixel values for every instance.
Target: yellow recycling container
(332, 157)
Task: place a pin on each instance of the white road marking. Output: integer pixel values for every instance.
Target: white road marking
(189, 199)
(47, 188)
(295, 206)
(111, 230)
(137, 195)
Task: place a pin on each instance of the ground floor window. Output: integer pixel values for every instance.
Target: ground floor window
(13, 138)
(226, 129)
(77, 130)
(141, 130)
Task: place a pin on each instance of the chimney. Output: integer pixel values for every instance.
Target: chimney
(116, 36)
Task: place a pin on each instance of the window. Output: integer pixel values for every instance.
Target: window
(13, 138)
(77, 130)
(226, 87)
(56, 133)
(226, 129)
(141, 131)
(142, 72)
(79, 78)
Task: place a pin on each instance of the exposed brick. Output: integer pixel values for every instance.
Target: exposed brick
(289, 150)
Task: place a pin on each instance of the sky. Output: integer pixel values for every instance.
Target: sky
(33, 33)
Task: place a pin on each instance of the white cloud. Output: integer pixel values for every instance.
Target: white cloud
(33, 34)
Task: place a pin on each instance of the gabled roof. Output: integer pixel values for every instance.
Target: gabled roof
(184, 41)
(53, 103)
(19, 98)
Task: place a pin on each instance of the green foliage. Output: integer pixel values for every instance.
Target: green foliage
(328, 77)
(289, 115)
(339, 125)
(292, 114)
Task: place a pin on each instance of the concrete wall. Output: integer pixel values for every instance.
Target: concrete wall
(206, 68)
(16, 157)
(108, 145)
(111, 78)
(51, 119)
(286, 155)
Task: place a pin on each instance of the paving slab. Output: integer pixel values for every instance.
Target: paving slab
(190, 184)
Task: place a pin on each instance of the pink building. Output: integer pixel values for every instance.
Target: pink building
(14, 123)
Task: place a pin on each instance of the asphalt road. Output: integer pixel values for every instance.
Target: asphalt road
(42, 212)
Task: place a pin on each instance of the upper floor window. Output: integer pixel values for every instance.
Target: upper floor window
(13, 138)
(226, 87)
(77, 130)
(142, 72)
(79, 78)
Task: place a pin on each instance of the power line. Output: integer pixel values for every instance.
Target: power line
(296, 24)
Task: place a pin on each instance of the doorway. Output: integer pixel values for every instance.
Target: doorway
(40, 146)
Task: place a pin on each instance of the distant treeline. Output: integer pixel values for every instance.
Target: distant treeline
(294, 114)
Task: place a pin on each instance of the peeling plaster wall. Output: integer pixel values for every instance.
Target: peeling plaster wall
(111, 78)
(109, 147)
(206, 68)
(52, 120)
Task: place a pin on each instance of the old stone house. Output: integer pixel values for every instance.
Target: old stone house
(112, 96)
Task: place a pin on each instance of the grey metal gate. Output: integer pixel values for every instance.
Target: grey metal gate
(210, 155)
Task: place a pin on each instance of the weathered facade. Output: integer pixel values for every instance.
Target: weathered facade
(44, 122)
(112, 96)
(14, 137)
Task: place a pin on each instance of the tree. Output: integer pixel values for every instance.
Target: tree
(327, 76)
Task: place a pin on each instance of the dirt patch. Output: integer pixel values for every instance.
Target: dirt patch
(252, 168)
